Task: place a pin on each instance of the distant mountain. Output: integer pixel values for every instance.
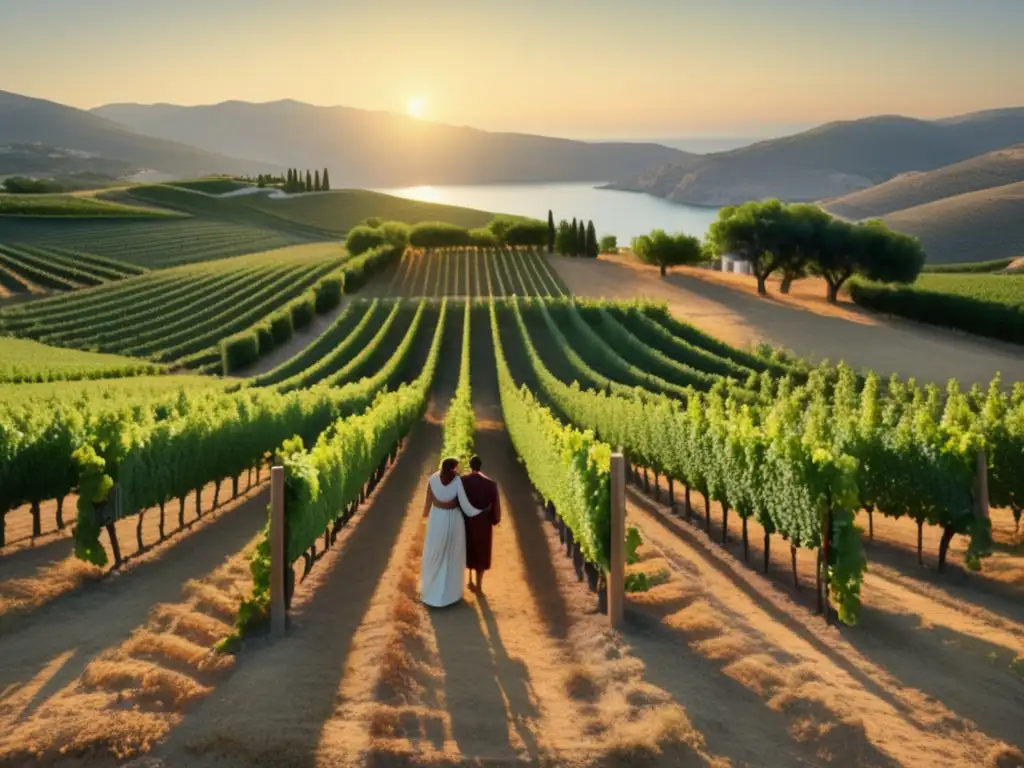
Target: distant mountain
(27, 120)
(993, 169)
(830, 161)
(43, 161)
(381, 149)
(976, 226)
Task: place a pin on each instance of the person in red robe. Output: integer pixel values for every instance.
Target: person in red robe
(481, 492)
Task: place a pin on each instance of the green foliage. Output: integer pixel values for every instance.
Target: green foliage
(663, 250)
(438, 234)
(592, 248)
(482, 237)
(23, 361)
(568, 467)
(240, 351)
(609, 244)
(528, 232)
(986, 305)
(328, 293)
(71, 206)
(281, 327)
(94, 486)
(364, 238)
(633, 542)
(21, 185)
(995, 265)
(303, 310)
(460, 422)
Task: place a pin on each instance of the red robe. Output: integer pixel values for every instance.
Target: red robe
(482, 492)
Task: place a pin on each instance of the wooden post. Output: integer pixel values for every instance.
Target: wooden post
(981, 508)
(277, 553)
(617, 554)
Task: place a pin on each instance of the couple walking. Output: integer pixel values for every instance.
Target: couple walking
(461, 512)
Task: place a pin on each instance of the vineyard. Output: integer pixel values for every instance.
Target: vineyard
(150, 244)
(27, 269)
(984, 304)
(179, 316)
(545, 387)
(473, 273)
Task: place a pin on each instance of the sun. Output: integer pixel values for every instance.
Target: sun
(417, 106)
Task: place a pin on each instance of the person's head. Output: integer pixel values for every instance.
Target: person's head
(475, 464)
(449, 468)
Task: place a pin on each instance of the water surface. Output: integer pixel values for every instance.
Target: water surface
(623, 214)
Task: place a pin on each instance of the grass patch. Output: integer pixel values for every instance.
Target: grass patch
(72, 206)
(211, 186)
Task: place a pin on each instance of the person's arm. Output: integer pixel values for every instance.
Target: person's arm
(426, 502)
(496, 508)
(467, 509)
(453, 504)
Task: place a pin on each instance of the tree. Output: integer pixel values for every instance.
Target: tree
(316, 181)
(664, 250)
(261, 181)
(309, 181)
(325, 182)
(574, 239)
(869, 249)
(581, 238)
(362, 238)
(609, 244)
(564, 238)
(551, 232)
(752, 232)
(801, 239)
(591, 241)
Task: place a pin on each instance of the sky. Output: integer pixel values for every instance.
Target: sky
(593, 69)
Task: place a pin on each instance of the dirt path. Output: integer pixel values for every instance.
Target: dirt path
(911, 686)
(802, 323)
(298, 342)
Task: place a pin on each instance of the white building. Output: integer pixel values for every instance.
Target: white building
(732, 263)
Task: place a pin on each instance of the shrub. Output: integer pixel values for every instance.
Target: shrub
(239, 351)
(965, 313)
(482, 238)
(266, 338)
(396, 233)
(359, 270)
(281, 328)
(362, 239)
(529, 232)
(438, 234)
(609, 244)
(329, 291)
(303, 310)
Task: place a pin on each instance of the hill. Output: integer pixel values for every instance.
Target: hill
(976, 226)
(830, 161)
(993, 169)
(364, 148)
(27, 120)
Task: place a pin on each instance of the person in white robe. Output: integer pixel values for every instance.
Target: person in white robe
(444, 550)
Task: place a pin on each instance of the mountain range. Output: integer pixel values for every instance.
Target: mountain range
(367, 148)
(829, 161)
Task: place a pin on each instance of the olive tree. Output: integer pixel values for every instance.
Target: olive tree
(664, 250)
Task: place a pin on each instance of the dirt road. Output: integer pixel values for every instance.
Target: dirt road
(727, 307)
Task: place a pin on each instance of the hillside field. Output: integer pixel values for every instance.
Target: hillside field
(71, 206)
(724, 657)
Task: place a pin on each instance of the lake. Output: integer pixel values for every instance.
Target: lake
(623, 214)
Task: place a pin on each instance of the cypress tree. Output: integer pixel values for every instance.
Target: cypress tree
(309, 181)
(581, 238)
(574, 234)
(316, 181)
(592, 247)
(290, 184)
(551, 232)
(325, 183)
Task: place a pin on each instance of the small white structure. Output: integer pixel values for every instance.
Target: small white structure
(732, 263)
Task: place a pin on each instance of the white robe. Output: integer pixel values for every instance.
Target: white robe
(442, 573)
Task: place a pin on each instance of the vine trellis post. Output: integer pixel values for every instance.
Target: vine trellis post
(617, 545)
(278, 605)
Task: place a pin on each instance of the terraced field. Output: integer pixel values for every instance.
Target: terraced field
(179, 316)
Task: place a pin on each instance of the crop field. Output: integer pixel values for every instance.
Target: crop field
(73, 206)
(22, 360)
(150, 244)
(747, 473)
(178, 315)
(984, 304)
(26, 269)
(473, 273)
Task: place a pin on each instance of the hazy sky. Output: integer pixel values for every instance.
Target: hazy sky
(582, 68)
